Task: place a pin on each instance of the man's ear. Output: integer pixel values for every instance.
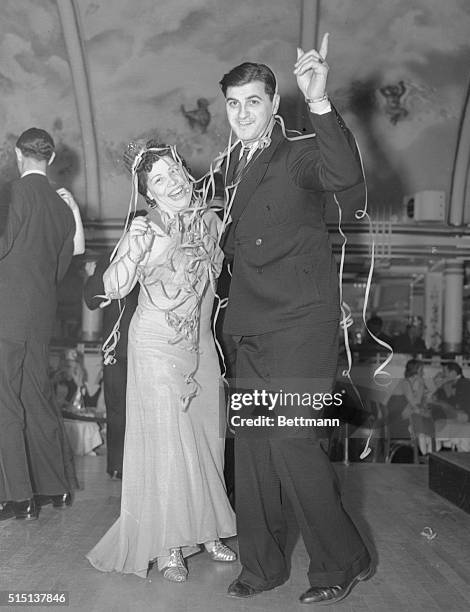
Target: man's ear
(276, 100)
(19, 155)
(51, 159)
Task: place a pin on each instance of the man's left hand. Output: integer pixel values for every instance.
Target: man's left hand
(311, 70)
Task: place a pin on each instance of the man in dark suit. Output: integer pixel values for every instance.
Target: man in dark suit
(115, 374)
(36, 248)
(452, 394)
(411, 341)
(283, 313)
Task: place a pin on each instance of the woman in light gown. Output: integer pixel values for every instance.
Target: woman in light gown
(173, 491)
(409, 400)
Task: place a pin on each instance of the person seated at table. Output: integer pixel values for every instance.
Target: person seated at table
(449, 406)
(452, 393)
(72, 390)
(409, 400)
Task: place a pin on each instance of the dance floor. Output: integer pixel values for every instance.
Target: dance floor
(391, 505)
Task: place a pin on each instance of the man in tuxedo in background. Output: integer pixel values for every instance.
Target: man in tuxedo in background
(283, 313)
(115, 374)
(411, 340)
(36, 248)
(452, 392)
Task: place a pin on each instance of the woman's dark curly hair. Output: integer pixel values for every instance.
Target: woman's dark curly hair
(153, 151)
(412, 367)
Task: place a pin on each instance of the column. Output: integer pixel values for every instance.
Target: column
(69, 17)
(433, 305)
(91, 323)
(92, 320)
(460, 172)
(309, 20)
(453, 306)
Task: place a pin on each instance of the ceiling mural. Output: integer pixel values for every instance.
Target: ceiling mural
(399, 75)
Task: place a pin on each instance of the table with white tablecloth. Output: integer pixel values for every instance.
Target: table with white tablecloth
(453, 434)
(374, 386)
(84, 436)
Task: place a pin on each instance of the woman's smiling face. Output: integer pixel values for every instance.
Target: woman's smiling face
(169, 186)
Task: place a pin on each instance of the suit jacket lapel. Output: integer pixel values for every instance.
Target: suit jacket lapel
(254, 173)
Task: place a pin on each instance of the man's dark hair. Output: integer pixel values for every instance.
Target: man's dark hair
(248, 72)
(452, 366)
(36, 143)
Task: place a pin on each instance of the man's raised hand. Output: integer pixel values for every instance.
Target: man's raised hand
(311, 71)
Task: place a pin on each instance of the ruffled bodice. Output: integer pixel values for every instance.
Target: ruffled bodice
(180, 268)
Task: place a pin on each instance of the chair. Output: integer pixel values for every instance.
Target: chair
(403, 433)
(397, 435)
(373, 428)
(423, 424)
(347, 432)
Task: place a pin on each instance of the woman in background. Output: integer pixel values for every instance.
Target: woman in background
(410, 397)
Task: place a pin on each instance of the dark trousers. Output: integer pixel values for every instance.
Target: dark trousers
(114, 387)
(277, 466)
(35, 456)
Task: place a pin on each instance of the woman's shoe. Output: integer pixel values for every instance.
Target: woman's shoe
(220, 552)
(175, 570)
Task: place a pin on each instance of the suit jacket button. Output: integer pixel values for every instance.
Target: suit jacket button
(259, 241)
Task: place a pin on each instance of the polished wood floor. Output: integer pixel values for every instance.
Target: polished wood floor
(391, 505)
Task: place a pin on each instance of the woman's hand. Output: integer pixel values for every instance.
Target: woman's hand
(68, 198)
(90, 267)
(141, 238)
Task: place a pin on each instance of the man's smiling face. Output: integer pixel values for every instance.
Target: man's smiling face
(249, 110)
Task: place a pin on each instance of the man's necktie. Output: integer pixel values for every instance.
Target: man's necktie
(240, 166)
